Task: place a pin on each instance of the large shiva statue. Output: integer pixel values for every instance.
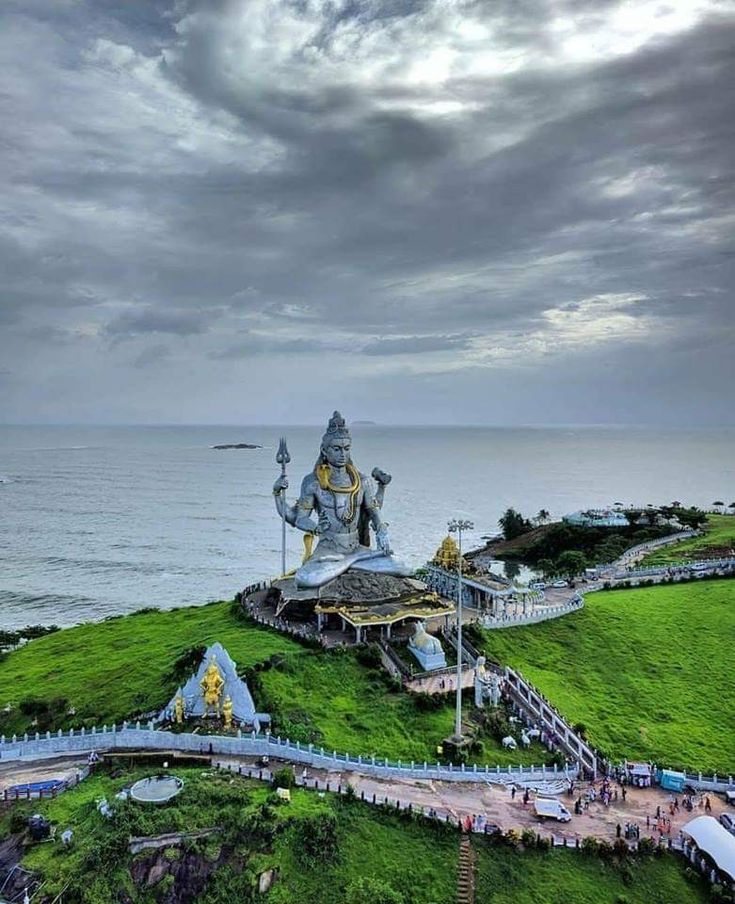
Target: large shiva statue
(346, 505)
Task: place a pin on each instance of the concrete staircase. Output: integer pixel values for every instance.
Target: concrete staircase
(466, 877)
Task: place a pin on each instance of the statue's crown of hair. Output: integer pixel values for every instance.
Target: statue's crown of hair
(336, 426)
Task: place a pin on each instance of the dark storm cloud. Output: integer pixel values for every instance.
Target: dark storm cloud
(393, 191)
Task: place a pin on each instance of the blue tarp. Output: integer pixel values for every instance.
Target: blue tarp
(54, 784)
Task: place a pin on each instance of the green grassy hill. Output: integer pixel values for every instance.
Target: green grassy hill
(125, 666)
(326, 850)
(719, 537)
(559, 877)
(647, 671)
(257, 834)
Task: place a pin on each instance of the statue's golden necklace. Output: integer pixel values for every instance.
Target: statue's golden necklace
(324, 475)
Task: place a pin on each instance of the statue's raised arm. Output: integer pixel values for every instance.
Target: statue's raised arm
(346, 508)
(297, 515)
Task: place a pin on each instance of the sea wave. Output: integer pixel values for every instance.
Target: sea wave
(16, 598)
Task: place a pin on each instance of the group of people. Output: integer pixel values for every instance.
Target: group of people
(632, 831)
(607, 795)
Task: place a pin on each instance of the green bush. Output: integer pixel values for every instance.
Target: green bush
(186, 664)
(428, 702)
(528, 838)
(647, 846)
(590, 845)
(369, 656)
(47, 713)
(371, 890)
(283, 778)
(317, 840)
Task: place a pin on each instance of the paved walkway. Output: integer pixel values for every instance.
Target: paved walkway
(497, 804)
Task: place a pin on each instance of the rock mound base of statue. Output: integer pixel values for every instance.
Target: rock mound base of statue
(357, 605)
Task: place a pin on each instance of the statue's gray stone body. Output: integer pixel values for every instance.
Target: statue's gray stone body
(346, 505)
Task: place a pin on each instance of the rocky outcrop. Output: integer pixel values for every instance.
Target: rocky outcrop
(190, 872)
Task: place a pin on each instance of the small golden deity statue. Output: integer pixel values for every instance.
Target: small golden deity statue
(179, 709)
(212, 685)
(227, 713)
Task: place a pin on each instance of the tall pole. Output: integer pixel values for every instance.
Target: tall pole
(457, 527)
(283, 458)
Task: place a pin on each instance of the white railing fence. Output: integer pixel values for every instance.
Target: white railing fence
(139, 737)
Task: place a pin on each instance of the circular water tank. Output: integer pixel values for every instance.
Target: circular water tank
(157, 789)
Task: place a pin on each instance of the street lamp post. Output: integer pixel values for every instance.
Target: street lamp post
(456, 527)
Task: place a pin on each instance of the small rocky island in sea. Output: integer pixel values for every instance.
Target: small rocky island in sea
(237, 446)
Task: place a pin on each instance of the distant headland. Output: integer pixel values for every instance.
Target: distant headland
(237, 446)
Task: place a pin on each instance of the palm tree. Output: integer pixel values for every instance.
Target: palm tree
(676, 504)
(543, 516)
(719, 504)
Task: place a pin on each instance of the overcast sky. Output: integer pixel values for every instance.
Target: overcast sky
(419, 211)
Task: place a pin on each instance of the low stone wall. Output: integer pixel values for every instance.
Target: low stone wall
(146, 738)
(540, 614)
(642, 549)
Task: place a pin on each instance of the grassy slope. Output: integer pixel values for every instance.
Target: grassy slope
(414, 859)
(720, 532)
(418, 861)
(355, 711)
(118, 668)
(648, 671)
(511, 877)
(112, 670)
(371, 843)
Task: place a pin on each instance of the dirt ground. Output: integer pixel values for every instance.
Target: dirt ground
(493, 801)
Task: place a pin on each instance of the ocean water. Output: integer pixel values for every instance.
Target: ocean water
(102, 520)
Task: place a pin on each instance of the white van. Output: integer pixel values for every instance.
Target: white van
(545, 808)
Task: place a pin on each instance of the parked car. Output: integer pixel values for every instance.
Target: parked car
(537, 585)
(730, 798)
(560, 584)
(728, 821)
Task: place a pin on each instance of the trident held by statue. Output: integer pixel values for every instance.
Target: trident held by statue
(283, 458)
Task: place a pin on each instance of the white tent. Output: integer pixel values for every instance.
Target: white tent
(713, 839)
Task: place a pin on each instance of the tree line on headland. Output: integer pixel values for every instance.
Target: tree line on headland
(565, 549)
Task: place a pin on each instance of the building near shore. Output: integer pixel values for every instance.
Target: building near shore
(596, 518)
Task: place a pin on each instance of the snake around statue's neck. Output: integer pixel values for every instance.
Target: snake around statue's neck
(324, 475)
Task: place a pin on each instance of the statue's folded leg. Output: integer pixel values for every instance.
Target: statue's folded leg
(383, 565)
(315, 572)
